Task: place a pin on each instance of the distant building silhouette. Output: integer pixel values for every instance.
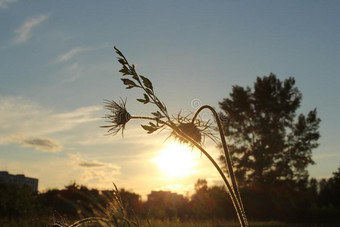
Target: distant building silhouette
(19, 180)
(166, 204)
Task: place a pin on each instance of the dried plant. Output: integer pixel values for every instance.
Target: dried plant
(190, 131)
(114, 214)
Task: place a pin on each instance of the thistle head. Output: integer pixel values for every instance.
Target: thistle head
(197, 129)
(118, 116)
(191, 130)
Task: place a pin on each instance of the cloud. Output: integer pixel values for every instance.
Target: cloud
(94, 172)
(72, 73)
(322, 156)
(90, 164)
(30, 124)
(24, 32)
(71, 53)
(5, 3)
(38, 143)
(43, 144)
(80, 161)
(77, 50)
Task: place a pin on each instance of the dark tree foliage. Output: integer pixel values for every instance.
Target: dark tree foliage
(73, 201)
(166, 205)
(131, 201)
(269, 143)
(330, 192)
(17, 201)
(210, 202)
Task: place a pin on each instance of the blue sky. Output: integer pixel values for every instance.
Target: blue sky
(57, 66)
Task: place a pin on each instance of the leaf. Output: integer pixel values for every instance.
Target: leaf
(149, 91)
(122, 61)
(129, 82)
(118, 52)
(160, 105)
(149, 129)
(157, 114)
(141, 100)
(125, 70)
(147, 83)
(146, 97)
(145, 100)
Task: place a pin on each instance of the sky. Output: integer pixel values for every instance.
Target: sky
(57, 65)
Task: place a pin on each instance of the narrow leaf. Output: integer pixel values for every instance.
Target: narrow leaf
(122, 61)
(142, 101)
(146, 97)
(128, 82)
(157, 114)
(147, 83)
(118, 52)
(148, 128)
(125, 71)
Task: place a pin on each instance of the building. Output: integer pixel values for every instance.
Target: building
(19, 180)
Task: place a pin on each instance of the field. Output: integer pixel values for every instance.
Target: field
(43, 222)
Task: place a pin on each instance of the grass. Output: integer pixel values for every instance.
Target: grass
(43, 222)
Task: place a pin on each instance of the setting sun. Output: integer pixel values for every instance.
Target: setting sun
(176, 160)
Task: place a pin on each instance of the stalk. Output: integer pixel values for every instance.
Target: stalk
(227, 156)
(239, 209)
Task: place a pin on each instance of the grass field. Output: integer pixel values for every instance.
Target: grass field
(44, 222)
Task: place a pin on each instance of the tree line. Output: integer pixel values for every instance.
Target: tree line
(318, 202)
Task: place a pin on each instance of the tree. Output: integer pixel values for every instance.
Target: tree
(329, 191)
(269, 143)
(210, 202)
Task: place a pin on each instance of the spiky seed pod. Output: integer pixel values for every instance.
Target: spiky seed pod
(118, 116)
(191, 130)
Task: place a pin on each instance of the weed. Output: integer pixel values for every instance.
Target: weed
(186, 130)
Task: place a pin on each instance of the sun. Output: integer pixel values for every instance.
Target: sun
(176, 160)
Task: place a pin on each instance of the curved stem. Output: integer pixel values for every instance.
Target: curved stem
(234, 199)
(89, 220)
(227, 156)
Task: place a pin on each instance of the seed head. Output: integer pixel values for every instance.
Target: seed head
(118, 116)
(191, 130)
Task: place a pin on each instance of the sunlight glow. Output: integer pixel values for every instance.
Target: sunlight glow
(176, 160)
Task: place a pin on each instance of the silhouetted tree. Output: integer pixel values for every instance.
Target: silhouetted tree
(330, 191)
(210, 202)
(17, 201)
(73, 201)
(268, 141)
(132, 202)
(166, 205)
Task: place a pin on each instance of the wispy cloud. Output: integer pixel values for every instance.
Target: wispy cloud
(70, 54)
(38, 143)
(5, 3)
(322, 156)
(71, 73)
(91, 164)
(20, 117)
(95, 172)
(24, 32)
(77, 50)
(43, 144)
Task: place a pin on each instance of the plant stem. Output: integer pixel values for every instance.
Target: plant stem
(232, 194)
(227, 156)
(234, 199)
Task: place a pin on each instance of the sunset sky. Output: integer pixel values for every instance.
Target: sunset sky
(57, 65)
